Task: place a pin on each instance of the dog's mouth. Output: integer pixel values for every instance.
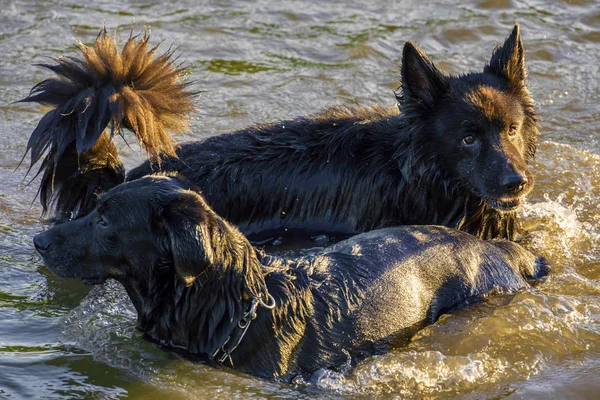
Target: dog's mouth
(503, 204)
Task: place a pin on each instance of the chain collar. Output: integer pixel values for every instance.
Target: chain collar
(223, 353)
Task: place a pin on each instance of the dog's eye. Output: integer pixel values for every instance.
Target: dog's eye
(512, 131)
(102, 221)
(468, 140)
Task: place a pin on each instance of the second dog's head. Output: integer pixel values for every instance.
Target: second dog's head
(481, 127)
(151, 228)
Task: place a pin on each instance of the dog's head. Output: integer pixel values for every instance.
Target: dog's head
(481, 127)
(152, 228)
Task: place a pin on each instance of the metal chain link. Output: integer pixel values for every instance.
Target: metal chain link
(244, 324)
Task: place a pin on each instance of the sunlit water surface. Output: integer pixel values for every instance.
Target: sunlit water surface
(262, 61)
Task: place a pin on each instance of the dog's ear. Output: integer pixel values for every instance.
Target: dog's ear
(188, 220)
(421, 81)
(508, 60)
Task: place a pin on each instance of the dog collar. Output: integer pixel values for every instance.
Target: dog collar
(223, 353)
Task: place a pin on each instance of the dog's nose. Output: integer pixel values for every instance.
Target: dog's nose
(515, 183)
(41, 243)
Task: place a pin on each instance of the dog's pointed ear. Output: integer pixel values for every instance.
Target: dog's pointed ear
(421, 81)
(187, 219)
(508, 60)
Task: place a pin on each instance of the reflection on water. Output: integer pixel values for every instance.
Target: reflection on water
(259, 61)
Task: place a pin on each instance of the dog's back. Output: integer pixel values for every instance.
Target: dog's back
(383, 286)
(320, 174)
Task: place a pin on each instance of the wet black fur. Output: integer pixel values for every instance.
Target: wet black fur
(191, 276)
(351, 170)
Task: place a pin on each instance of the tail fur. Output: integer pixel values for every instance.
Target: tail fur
(133, 89)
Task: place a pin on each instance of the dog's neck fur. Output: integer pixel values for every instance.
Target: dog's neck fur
(201, 317)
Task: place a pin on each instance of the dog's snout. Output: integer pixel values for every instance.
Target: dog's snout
(42, 242)
(515, 183)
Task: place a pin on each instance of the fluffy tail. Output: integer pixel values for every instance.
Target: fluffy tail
(133, 89)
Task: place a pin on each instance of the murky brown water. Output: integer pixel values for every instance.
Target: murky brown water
(261, 61)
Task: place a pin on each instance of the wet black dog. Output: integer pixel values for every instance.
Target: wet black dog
(456, 155)
(199, 285)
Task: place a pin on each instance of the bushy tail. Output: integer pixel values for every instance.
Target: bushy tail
(133, 89)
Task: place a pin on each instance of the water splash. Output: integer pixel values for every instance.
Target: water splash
(479, 349)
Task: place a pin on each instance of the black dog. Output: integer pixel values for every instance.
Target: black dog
(456, 155)
(199, 285)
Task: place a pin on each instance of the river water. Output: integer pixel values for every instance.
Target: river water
(259, 61)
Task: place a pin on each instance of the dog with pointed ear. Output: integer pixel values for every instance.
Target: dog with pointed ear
(480, 129)
(342, 171)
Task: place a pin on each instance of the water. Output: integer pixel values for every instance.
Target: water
(262, 61)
